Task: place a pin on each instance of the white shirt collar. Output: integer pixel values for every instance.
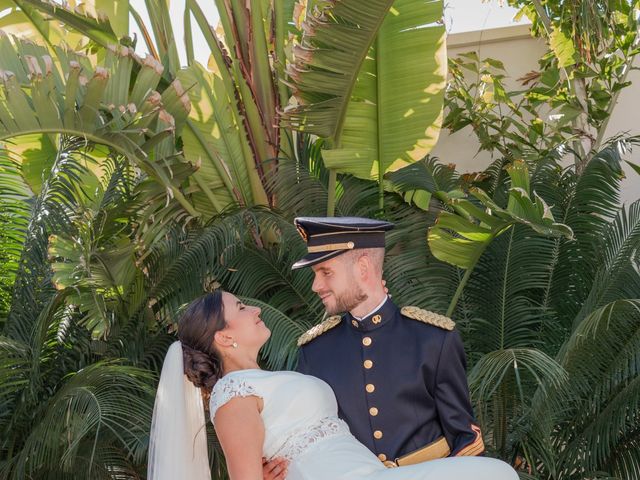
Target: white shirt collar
(386, 297)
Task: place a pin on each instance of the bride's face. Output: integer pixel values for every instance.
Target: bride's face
(244, 324)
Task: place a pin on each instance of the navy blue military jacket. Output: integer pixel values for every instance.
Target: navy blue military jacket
(400, 383)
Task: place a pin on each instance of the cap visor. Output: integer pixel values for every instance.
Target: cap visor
(313, 258)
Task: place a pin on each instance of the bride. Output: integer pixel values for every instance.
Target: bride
(259, 414)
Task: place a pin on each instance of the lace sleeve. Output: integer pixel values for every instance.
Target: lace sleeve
(227, 388)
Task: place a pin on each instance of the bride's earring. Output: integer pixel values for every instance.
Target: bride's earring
(234, 344)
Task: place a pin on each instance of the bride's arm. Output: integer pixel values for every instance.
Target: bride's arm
(240, 430)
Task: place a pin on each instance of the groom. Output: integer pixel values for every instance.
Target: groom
(398, 373)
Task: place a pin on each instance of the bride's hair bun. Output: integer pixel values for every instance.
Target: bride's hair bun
(202, 369)
(199, 323)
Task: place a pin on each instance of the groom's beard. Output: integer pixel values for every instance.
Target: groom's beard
(346, 301)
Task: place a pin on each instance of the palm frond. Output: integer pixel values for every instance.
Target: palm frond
(501, 383)
(14, 377)
(297, 187)
(410, 268)
(104, 400)
(50, 212)
(598, 410)
(506, 290)
(14, 220)
(590, 203)
(618, 276)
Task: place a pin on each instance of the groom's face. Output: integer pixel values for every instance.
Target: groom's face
(338, 284)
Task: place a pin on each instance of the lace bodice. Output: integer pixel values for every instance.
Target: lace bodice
(299, 410)
(228, 388)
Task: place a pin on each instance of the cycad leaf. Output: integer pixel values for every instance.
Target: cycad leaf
(102, 400)
(428, 174)
(490, 371)
(601, 358)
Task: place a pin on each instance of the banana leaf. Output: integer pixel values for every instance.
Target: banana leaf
(372, 83)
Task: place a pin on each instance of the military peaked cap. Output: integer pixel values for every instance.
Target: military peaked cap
(328, 237)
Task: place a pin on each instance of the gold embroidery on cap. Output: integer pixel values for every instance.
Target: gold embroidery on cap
(331, 247)
(303, 233)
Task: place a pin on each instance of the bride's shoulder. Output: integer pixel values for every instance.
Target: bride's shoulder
(240, 379)
(242, 383)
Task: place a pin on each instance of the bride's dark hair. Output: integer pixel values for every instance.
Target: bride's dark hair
(197, 326)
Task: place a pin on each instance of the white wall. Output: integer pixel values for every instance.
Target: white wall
(519, 52)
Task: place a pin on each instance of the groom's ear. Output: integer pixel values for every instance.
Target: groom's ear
(364, 265)
(221, 339)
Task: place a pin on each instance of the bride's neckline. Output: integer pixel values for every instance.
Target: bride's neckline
(243, 370)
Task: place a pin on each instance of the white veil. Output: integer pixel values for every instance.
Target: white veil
(178, 439)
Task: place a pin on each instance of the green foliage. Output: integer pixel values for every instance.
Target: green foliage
(460, 238)
(550, 323)
(568, 100)
(65, 391)
(570, 412)
(510, 123)
(376, 102)
(137, 193)
(14, 214)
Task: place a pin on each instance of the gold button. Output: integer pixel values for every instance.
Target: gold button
(366, 341)
(382, 457)
(368, 364)
(373, 411)
(370, 387)
(376, 319)
(377, 434)
(354, 323)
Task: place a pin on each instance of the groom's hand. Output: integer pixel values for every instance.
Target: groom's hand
(276, 469)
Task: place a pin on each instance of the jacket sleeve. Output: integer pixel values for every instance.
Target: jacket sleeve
(453, 402)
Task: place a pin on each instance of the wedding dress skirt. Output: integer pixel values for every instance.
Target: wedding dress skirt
(301, 425)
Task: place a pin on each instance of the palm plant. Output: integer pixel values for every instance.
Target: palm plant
(122, 215)
(63, 396)
(233, 133)
(116, 213)
(362, 112)
(13, 219)
(542, 315)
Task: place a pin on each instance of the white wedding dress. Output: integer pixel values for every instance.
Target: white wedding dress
(301, 425)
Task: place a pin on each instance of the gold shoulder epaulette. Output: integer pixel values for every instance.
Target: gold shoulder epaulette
(426, 316)
(319, 329)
